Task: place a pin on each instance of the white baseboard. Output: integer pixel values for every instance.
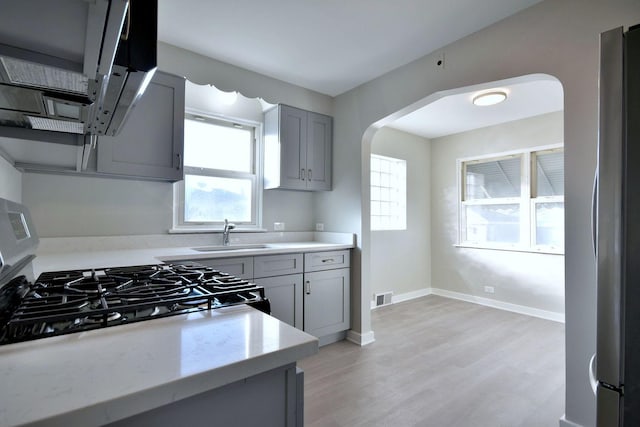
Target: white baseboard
(564, 422)
(411, 295)
(521, 309)
(404, 297)
(360, 339)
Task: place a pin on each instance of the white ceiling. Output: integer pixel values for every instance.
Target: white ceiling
(329, 46)
(526, 97)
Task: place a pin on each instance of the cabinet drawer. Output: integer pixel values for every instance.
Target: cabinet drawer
(277, 265)
(317, 261)
(239, 267)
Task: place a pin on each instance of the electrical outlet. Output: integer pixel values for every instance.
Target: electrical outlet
(489, 289)
(319, 226)
(278, 226)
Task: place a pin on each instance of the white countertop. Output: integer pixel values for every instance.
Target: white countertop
(92, 378)
(96, 377)
(77, 259)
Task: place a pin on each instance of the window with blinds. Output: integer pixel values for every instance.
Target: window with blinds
(513, 201)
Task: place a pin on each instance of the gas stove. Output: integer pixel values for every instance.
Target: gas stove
(64, 302)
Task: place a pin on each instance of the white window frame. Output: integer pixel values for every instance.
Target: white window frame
(398, 222)
(179, 223)
(527, 200)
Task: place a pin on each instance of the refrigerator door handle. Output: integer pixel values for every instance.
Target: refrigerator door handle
(594, 213)
(592, 374)
(609, 199)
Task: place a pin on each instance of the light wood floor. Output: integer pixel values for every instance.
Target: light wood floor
(441, 362)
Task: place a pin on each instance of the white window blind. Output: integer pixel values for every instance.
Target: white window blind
(513, 201)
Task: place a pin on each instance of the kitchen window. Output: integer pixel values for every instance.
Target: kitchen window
(388, 193)
(513, 200)
(221, 174)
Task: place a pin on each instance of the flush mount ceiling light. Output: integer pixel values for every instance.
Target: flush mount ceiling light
(489, 98)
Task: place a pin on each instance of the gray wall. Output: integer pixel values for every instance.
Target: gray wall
(69, 205)
(203, 70)
(10, 182)
(400, 259)
(556, 37)
(524, 278)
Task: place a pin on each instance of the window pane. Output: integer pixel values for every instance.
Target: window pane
(550, 224)
(211, 146)
(388, 193)
(493, 223)
(550, 173)
(212, 199)
(493, 179)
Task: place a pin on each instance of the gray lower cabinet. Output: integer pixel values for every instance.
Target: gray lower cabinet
(276, 400)
(281, 276)
(285, 296)
(326, 302)
(241, 267)
(309, 291)
(151, 141)
(327, 293)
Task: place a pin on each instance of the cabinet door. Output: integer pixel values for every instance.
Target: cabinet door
(326, 302)
(319, 145)
(285, 296)
(293, 148)
(240, 267)
(150, 142)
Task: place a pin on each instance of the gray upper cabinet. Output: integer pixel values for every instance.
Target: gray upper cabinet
(298, 147)
(151, 141)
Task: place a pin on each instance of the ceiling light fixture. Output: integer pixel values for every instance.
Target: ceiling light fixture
(489, 98)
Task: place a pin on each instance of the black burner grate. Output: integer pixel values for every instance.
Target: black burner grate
(72, 301)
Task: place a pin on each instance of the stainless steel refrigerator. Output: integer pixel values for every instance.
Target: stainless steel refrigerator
(616, 377)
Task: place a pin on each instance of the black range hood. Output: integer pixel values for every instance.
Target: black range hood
(42, 91)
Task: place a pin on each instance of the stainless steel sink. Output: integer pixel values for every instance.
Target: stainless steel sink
(230, 247)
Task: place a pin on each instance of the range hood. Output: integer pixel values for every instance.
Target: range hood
(90, 95)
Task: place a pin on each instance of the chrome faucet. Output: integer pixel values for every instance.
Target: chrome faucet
(225, 233)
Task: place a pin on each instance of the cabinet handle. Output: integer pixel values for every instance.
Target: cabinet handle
(302, 175)
(178, 161)
(328, 260)
(309, 174)
(307, 287)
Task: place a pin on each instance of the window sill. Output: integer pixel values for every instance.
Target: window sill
(545, 251)
(195, 230)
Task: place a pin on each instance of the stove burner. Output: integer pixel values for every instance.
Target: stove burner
(72, 301)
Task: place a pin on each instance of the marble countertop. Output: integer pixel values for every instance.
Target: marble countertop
(75, 258)
(96, 377)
